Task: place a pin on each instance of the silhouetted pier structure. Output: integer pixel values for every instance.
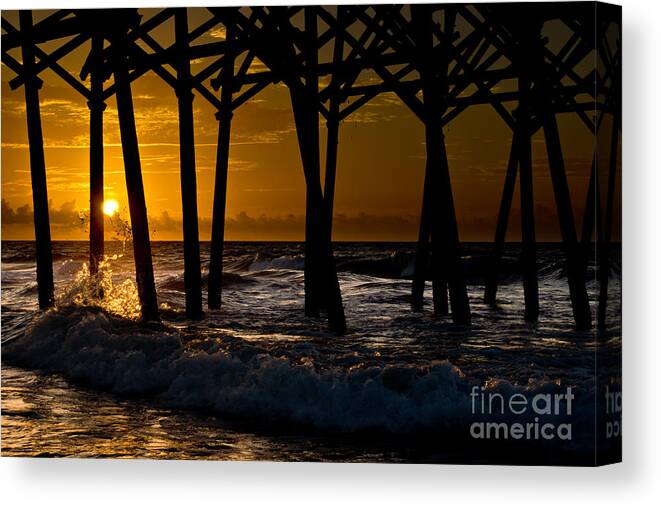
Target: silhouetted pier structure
(439, 60)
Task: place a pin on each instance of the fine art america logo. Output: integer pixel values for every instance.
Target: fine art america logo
(613, 413)
(532, 415)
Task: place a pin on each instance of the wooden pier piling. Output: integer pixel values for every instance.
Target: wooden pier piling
(144, 270)
(333, 128)
(604, 260)
(574, 265)
(44, 256)
(191, 244)
(322, 287)
(96, 106)
(447, 269)
(332, 140)
(422, 248)
(491, 284)
(224, 116)
(528, 240)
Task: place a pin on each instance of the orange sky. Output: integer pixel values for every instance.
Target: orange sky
(380, 163)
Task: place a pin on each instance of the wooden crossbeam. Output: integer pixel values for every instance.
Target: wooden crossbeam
(394, 48)
(505, 46)
(396, 86)
(46, 61)
(12, 63)
(53, 30)
(167, 76)
(53, 57)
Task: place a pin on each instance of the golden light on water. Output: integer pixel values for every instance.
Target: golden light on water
(110, 207)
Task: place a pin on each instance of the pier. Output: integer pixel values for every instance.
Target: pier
(438, 60)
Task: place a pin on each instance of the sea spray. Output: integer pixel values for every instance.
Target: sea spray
(92, 346)
(86, 289)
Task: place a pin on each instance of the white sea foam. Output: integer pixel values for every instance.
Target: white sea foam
(103, 351)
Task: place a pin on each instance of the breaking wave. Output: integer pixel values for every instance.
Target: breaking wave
(400, 265)
(236, 378)
(262, 262)
(176, 282)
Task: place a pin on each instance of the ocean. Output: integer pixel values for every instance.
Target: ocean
(258, 380)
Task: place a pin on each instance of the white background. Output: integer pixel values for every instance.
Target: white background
(636, 481)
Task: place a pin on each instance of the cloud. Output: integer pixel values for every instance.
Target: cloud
(268, 190)
(69, 223)
(218, 32)
(64, 217)
(362, 226)
(22, 215)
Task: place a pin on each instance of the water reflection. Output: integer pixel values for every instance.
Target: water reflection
(45, 416)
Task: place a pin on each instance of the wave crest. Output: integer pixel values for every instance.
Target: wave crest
(106, 352)
(101, 350)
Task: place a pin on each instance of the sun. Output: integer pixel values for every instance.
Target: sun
(110, 207)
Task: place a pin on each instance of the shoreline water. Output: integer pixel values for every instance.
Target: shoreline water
(261, 329)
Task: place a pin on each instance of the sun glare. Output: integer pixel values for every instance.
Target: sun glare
(110, 207)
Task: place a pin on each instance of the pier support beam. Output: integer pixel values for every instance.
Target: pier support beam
(96, 106)
(491, 284)
(313, 203)
(574, 265)
(446, 251)
(590, 211)
(332, 139)
(605, 246)
(44, 255)
(191, 245)
(531, 50)
(224, 116)
(333, 128)
(322, 287)
(144, 270)
(528, 239)
(422, 249)
(526, 49)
